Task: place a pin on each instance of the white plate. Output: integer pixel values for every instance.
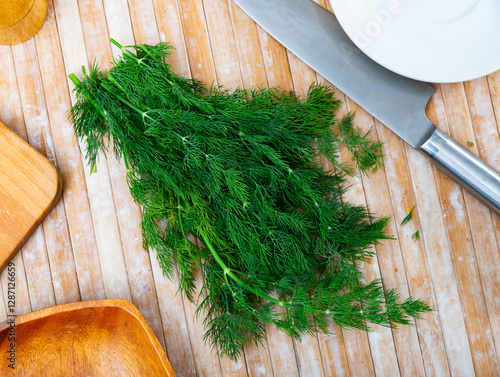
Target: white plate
(438, 41)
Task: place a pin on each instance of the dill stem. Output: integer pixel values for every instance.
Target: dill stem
(228, 271)
(87, 94)
(124, 50)
(126, 101)
(182, 228)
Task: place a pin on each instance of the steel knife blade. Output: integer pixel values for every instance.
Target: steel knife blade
(314, 35)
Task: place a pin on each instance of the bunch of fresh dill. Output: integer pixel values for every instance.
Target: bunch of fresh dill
(241, 172)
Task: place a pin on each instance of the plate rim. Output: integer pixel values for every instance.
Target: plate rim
(431, 77)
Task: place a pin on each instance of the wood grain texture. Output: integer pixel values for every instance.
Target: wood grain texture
(90, 246)
(29, 188)
(88, 275)
(20, 20)
(89, 338)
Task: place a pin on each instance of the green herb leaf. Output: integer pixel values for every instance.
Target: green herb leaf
(416, 236)
(408, 217)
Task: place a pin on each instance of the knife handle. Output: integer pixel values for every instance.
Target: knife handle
(478, 178)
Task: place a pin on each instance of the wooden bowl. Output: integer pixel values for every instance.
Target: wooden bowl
(93, 338)
(20, 20)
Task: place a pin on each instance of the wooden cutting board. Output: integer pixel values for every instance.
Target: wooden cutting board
(30, 186)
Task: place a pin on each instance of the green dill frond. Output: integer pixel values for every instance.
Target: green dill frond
(240, 171)
(415, 236)
(366, 152)
(408, 217)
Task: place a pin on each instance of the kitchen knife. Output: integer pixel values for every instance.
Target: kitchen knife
(315, 36)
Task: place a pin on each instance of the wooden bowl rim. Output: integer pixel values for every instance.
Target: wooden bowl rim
(107, 303)
(22, 16)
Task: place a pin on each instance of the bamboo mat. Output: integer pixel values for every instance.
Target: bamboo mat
(90, 245)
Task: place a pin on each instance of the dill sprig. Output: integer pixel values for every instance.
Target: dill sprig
(408, 217)
(415, 236)
(239, 171)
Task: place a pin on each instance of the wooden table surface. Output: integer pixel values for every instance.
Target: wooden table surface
(90, 245)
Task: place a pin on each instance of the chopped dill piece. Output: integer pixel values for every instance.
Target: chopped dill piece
(408, 217)
(415, 236)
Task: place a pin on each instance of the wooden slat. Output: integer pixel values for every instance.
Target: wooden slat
(416, 268)
(22, 304)
(104, 219)
(493, 83)
(222, 45)
(3, 303)
(58, 267)
(251, 63)
(258, 359)
(206, 361)
(307, 349)
(197, 41)
(199, 356)
(143, 21)
(486, 238)
(38, 272)
(139, 273)
(223, 62)
(11, 114)
(333, 350)
(466, 270)
(75, 194)
(175, 323)
(171, 304)
(171, 31)
(438, 253)
(281, 347)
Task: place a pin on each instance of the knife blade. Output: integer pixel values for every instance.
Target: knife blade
(314, 35)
